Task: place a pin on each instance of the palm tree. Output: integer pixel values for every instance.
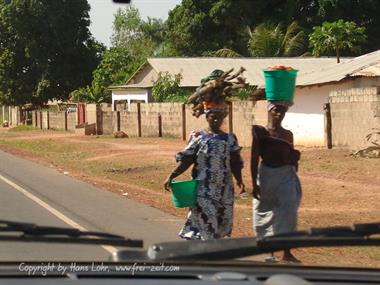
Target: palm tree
(226, 52)
(336, 36)
(268, 40)
(91, 94)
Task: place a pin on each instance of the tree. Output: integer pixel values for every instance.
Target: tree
(337, 36)
(311, 13)
(245, 93)
(226, 52)
(167, 88)
(142, 38)
(46, 50)
(116, 67)
(133, 41)
(90, 94)
(197, 27)
(267, 40)
(363, 13)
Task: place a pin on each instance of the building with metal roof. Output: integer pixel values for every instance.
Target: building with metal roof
(367, 65)
(317, 77)
(194, 69)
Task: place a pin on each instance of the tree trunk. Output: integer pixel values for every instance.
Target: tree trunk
(337, 55)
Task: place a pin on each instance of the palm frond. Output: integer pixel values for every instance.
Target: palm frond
(263, 40)
(226, 52)
(295, 45)
(294, 41)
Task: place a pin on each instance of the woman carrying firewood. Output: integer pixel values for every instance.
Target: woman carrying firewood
(215, 156)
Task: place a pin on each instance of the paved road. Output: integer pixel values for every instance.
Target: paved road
(37, 194)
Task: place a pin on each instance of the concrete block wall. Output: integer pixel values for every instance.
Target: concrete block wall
(128, 121)
(243, 119)
(244, 115)
(45, 120)
(108, 119)
(91, 113)
(171, 114)
(354, 113)
(4, 113)
(193, 123)
(149, 119)
(33, 118)
(8, 113)
(56, 120)
(38, 119)
(171, 119)
(71, 121)
(15, 116)
(260, 113)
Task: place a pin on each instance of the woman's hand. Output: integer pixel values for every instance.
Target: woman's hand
(167, 183)
(256, 192)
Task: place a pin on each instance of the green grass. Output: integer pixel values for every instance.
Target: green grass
(48, 148)
(104, 137)
(23, 128)
(34, 146)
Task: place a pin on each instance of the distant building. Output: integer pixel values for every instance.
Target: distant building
(317, 77)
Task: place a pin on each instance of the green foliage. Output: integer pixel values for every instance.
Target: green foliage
(91, 94)
(364, 13)
(134, 40)
(141, 38)
(196, 27)
(24, 128)
(245, 93)
(126, 26)
(51, 108)
(46, 50)
(267, 40)
(167, 88)
(116, 67)
(226, 52)
(199, 26)
(337, 36)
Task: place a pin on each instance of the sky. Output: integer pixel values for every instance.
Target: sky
(102, 14)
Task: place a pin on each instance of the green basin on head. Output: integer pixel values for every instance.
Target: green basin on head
(280, 84)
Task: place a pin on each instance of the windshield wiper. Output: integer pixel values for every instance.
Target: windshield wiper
(356, 235)
(29, 232)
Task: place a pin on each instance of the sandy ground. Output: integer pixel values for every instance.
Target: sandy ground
(338, 189)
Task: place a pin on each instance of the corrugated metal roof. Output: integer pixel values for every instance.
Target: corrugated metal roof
(312, 71)
(194, 69)
(131, 86)
(354, 67)
(373, 70)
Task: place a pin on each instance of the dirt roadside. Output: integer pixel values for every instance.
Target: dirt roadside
(337, 188)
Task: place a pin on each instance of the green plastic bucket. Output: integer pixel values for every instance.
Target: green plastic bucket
(280, 84)
(184, 193)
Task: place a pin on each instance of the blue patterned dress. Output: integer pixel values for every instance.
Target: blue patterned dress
(212, 217)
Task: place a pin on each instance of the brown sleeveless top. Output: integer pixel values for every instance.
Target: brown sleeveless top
(274, 152)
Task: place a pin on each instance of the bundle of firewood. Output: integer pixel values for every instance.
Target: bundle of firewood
(215, 91)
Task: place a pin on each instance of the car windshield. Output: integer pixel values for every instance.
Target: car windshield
(190, 121)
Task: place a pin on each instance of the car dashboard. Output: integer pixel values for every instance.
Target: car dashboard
(196, 273)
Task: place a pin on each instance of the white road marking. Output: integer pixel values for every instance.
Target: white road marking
(55, 212)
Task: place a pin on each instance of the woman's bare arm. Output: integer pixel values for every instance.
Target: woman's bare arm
(182, 166)
(255, 155)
